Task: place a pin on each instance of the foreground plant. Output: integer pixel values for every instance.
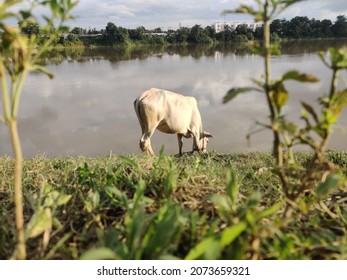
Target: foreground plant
(21, 54)
(321, 172)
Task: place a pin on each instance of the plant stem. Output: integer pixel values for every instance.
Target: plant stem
(4, 88)
(333, 86)
(18, 196)
(277, 150)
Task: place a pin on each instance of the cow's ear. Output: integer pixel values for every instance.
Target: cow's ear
(208, 135)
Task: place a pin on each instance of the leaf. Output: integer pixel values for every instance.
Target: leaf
(330, 184)
(43, 70)
(270, 211)
(310, 110)
(101, 253)
(339, 101)
(280, 95)
(231, 233)
(55, 199)
(221, 202)
(129, 162)
(39, 222)
(232, 188)
(92, 201)
(162, 231)
(209, 249)
(232, 93)
(57, 245)
(300, 77)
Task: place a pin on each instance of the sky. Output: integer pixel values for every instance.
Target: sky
(173, 14)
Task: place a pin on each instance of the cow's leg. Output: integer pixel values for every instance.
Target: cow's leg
(180, 143)
(145, 142)
(196, 144)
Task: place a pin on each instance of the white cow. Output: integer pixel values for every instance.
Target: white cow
(170, 113)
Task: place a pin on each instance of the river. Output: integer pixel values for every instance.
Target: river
(87, 109)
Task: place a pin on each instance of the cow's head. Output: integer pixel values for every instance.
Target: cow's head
(204, 137)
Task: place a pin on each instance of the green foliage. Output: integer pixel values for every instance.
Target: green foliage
(299, 27)
(20, 54)
(221, 207)
(321, 175)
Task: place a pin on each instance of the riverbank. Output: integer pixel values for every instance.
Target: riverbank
(168, 207)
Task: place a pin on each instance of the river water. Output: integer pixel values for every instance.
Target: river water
(87, 109)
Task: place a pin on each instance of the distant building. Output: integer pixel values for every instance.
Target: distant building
(220, 26)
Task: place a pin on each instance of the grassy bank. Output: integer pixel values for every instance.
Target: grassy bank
(212, 206)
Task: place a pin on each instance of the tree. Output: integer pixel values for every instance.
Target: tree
(78, 31)
(29, 27)
(116, 35)
(20, 54)
(278, 26)
(182, 35)
(326, 28)
(197, 35)
(299, 27)
(138, 34)
(340, 26)
(244, 32)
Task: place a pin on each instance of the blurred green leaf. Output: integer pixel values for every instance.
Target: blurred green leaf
(280, 95)
(43, 70)
(231, 233)
(129, 162)
(118, 195)
(135, 227)
(162, 231)
(300, 77)
(232, 93)
(101, 253)
(39, 222)
(223, 206)
(232, 188)
(331, 183)
(92, 201)
(338, 102)
(55, 199)
(310, 110)
(208, 249)
(270, 211)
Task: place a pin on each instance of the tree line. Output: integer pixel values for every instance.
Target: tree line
(300, 27)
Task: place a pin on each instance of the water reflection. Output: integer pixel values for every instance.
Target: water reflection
(88, 108)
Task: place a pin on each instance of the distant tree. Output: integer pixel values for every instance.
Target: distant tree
(116, 35)
(138, 34)
(158, 30)
(326, 28)
(29, 27)
(258, 32)
(299, 27)
(227, 35)
(181, 35)
(198, 35)
(245, 31)
(210, 32)
(78, 31)
(278, 26)
(110, 32)
(339, 28)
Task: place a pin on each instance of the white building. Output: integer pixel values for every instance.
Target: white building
(220, 26)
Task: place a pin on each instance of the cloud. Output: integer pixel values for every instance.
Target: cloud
(168, 13)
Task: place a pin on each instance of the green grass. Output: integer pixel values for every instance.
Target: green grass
(210, 206)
